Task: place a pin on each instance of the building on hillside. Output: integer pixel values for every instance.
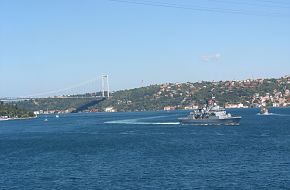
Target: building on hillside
(191, 107)
(239, 105)
(110, 109)
(168, 108)
(36, 112)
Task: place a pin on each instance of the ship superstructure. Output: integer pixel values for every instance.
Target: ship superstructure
(210, 114)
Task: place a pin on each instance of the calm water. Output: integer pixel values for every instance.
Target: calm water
(145, 151)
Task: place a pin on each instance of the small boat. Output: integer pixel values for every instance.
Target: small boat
(264, 110)
(57, 116)
(4, 119)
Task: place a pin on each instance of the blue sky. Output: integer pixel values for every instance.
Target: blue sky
(50, 45)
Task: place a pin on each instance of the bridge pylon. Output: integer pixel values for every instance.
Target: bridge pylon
(105, 86)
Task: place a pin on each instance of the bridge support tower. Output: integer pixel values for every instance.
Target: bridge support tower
(105, 86)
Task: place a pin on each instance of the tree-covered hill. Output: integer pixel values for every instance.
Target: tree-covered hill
(179, 95)
(53, 103)
(12, 111)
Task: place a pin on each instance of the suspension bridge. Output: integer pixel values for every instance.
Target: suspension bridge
(93, 91)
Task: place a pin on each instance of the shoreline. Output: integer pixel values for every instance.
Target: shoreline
(11, 119)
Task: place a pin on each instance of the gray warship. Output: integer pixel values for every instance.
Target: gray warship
(210, 114)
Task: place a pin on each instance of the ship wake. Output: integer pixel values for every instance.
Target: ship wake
(139, 122)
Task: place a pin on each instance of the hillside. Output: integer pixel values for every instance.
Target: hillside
(57, 104)
(180, 95)
(249, 93)
(10, 111)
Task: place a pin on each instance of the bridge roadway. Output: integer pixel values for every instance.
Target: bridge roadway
(11, 99)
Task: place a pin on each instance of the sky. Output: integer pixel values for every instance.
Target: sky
(53, 44)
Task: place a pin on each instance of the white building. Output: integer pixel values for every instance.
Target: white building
(240, 105)
(110, 109)
(168, 108)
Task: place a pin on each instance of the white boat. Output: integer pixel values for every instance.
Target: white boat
(4, 118)
(264, 111)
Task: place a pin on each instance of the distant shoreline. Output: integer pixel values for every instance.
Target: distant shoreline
(9, 119)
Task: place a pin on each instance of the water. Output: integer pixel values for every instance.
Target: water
(145, 150)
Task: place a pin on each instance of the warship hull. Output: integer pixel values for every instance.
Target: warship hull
(226, 121)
